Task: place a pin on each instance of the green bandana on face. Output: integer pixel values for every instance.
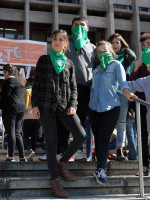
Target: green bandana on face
(120, 56)
(146, 56)
(58, 61)
(105, 59)
(79, 36)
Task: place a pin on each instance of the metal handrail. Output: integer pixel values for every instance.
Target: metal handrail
(138, 102)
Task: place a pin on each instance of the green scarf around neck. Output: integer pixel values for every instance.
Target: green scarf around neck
(120, 56)
(28, 87)
(146, 56)
(58, 61)
(79, 36)
(105, 59)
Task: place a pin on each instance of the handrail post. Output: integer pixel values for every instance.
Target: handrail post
(141, 182)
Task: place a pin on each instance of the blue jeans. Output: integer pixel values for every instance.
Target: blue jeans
(88, 138)
(132, 138)
(121, 126)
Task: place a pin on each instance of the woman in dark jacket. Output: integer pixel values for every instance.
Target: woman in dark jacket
(54, 96)
(13, 107)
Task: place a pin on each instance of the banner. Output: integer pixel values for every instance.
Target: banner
(21, 52)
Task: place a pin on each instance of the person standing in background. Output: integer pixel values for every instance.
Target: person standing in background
(142, 69)
(13, 107)
(126, 56)
(82, 53)
(31, 126)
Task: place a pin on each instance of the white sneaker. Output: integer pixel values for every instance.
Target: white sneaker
(31, 155)
(79, 156)
(43, 158)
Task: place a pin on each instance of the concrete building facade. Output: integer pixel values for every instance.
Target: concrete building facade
(36, 19)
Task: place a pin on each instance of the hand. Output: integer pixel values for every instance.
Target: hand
(129, 95)
(36, 112)
(138, 63)
(71, 111)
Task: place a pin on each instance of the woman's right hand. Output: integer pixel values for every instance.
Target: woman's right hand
(36, 112)
(138, 63)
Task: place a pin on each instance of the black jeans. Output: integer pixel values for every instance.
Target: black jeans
(62, 137)
(12, 122)
(144, 136)
(83, 101)
(73, 124)
(31, 128)
(102, 125)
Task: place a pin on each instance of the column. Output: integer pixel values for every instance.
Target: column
(55, 15)
(110, 19)
(135, 36)
(83, 10)
(27, 20)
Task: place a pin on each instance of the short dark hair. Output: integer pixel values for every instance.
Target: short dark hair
(78, 18)
(144, 37)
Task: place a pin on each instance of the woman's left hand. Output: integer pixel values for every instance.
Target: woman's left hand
(71, 111)
(129, 95)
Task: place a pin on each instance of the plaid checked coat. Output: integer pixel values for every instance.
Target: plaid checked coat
(51, 92)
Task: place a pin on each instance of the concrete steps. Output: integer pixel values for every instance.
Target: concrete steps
(40, 186)
(32, 179)
(37, 168)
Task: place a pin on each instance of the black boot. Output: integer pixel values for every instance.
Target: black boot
(120, 156)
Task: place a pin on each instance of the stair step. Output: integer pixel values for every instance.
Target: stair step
(40, 168)
(35, 186)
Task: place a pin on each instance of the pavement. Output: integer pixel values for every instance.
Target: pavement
(93, 197)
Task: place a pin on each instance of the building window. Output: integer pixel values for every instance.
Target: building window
(122, 7)
(38, 35)
(69, 1)
(11, 33)
(1, 32)
(144, 9)
(46, 0)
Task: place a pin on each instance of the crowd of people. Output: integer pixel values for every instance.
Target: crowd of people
(79, 89)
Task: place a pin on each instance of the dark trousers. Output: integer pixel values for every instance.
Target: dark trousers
(62, 132)
(102, 125)
(31, 128)
(144, 136)
(73, 124)
(12, 122)
(83, 101)
(62, 137)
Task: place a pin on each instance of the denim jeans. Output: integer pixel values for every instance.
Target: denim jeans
(88, 138)
(132, 138)
(121, 127)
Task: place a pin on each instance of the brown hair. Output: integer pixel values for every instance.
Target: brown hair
(103, 42)
(65, 37)
(120, 38)
(144, 37)
(13, 71)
